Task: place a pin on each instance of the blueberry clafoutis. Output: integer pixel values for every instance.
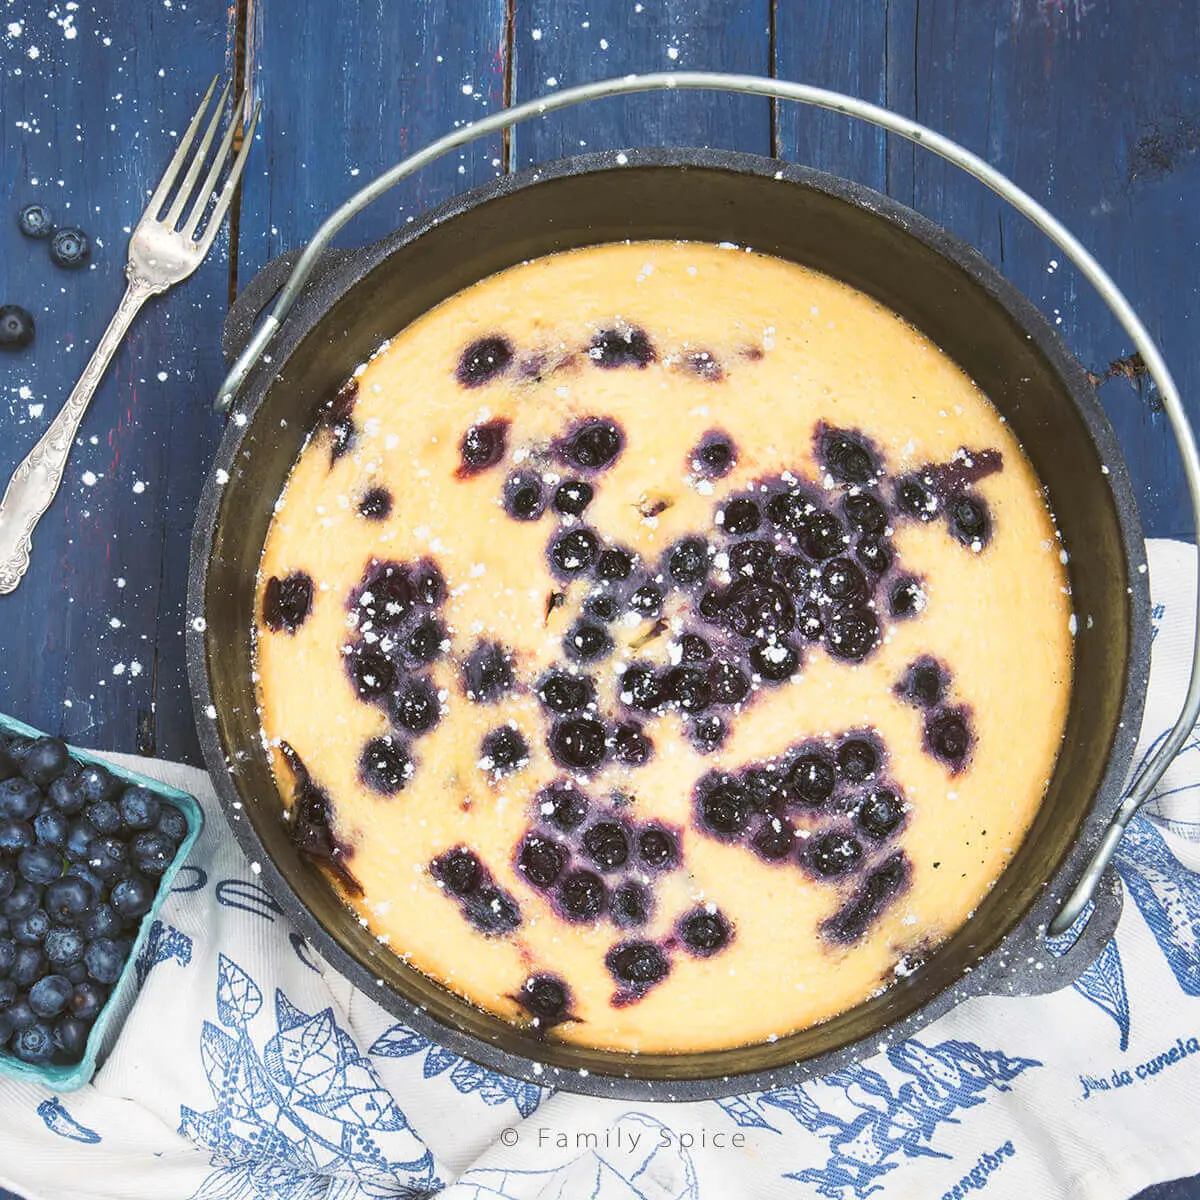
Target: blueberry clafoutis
(659, 643)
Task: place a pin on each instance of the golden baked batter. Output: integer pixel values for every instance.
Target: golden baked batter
(710, 546)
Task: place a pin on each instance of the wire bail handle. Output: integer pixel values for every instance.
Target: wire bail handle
(944, 147)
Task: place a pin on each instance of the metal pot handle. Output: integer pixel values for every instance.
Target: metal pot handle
(952, 152)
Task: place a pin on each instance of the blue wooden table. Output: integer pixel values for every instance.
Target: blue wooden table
(1091, 105)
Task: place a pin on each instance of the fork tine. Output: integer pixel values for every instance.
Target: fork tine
(214, 171)
(189, 180)
(164, 185)
(235, 174)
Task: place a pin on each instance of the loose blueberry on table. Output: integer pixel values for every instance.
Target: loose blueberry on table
(81, 857)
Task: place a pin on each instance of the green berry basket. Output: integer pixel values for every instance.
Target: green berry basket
(107, 1026)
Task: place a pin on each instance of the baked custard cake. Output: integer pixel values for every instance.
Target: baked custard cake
(663, 645)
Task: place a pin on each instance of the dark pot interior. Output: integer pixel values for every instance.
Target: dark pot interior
(936, 282)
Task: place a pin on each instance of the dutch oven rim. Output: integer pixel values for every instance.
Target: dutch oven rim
(1021, 952)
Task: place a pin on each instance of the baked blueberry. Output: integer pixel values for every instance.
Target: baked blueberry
(811, 779)
(879, 888)
(524, 498)
(906, 598)
(638, 966)
(833, 854)
(614, 564)
(504, 750)
(693, 648)
(864, 513)
(658, 848)
(384, 765)
(924, 684)
(338, 416)
(375, 504)
(774, 661)
(631, 746)
(487, 673)
(582, 896)
(878, 813)
(631, 906)
(688, 561)
(969, 520)
(723, 807)
(851, 633)
(754, 608)
(415, 706)
(426, 642)
(562, 693)
(16, 327)
(842, 581)
(595, 445)
(572, 497)
(858, 758)
(35, 221)
(44, 760)
(628, 347)
(875, 553)
(602, 606)
(710, 606)
(948, 736)
(752, 559)
(371, 671)
(846, 456)
(715, 456)
(429, 584)
(821, 535)
(484, 360)
(607, 845)
(790, 510)
(642, 688)
(139, 808)
(689, 688)
(574, 551)
(729, 684)
(132, 897)
(707, 732)
(151, 853)
(578, 743)
(50, 995)
(646, 600)
(546, 998)
(386, 598)
(916, 498)
(774, 840)
(458, 870)
(482, 446)
(704, 932)
(541, 860)
(764, 785)
(740, 516)
(808, 622)
(704, 364)
(563, 806)
(492, 911)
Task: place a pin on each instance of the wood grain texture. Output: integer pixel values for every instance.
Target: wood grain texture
(91, 643)
(562, 42)
(1093, 108)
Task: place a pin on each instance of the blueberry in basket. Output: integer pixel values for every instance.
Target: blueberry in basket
(82, 857)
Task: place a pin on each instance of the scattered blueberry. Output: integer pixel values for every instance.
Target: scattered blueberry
(338, 415)
(614, 564)
(729, 684)
(754, 608)
(574, 551)
(740, 516)
(371, 671)
(704, 364)
(595, 445)
(948, 737)
(563, 694)
(482, 446)
(504, 750)
(287, 601)
(821, 535)
(646, 600)
(833, 854)
(641, 688)
(752, 560)
(572, 497)
(524, 499)
(582, 896)
(843, 581)
(429, 585)
(385, 766)
(487, 673)
(578, 743)
(715, 456)
(688, 687)
(688, 561)
(35, 221)
(546, 998)
(704, 932)
(809, 624)
(629, 347)
(774, 839)
(541, 860)
(70, 248)
(386, 598)
(484, 360)
(375, 504)
(631, 906)
(16, 327)
(879, 813)
(603, 607)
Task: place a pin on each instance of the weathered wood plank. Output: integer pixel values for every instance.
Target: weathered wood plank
(348, 89)
(92, 100)
(1093, 108)
(562, 42)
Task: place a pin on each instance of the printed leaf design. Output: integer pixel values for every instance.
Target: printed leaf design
(1103, 983)
(438, 1060)
(399, 1042)
(742, 1112)
(238, 997)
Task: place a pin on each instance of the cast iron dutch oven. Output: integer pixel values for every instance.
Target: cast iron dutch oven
(947, 290)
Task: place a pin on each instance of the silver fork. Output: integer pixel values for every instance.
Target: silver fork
(160, 256)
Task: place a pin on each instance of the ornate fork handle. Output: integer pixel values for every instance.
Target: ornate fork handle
(36, 481)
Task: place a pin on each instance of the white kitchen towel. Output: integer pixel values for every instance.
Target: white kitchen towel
(248, 1069)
